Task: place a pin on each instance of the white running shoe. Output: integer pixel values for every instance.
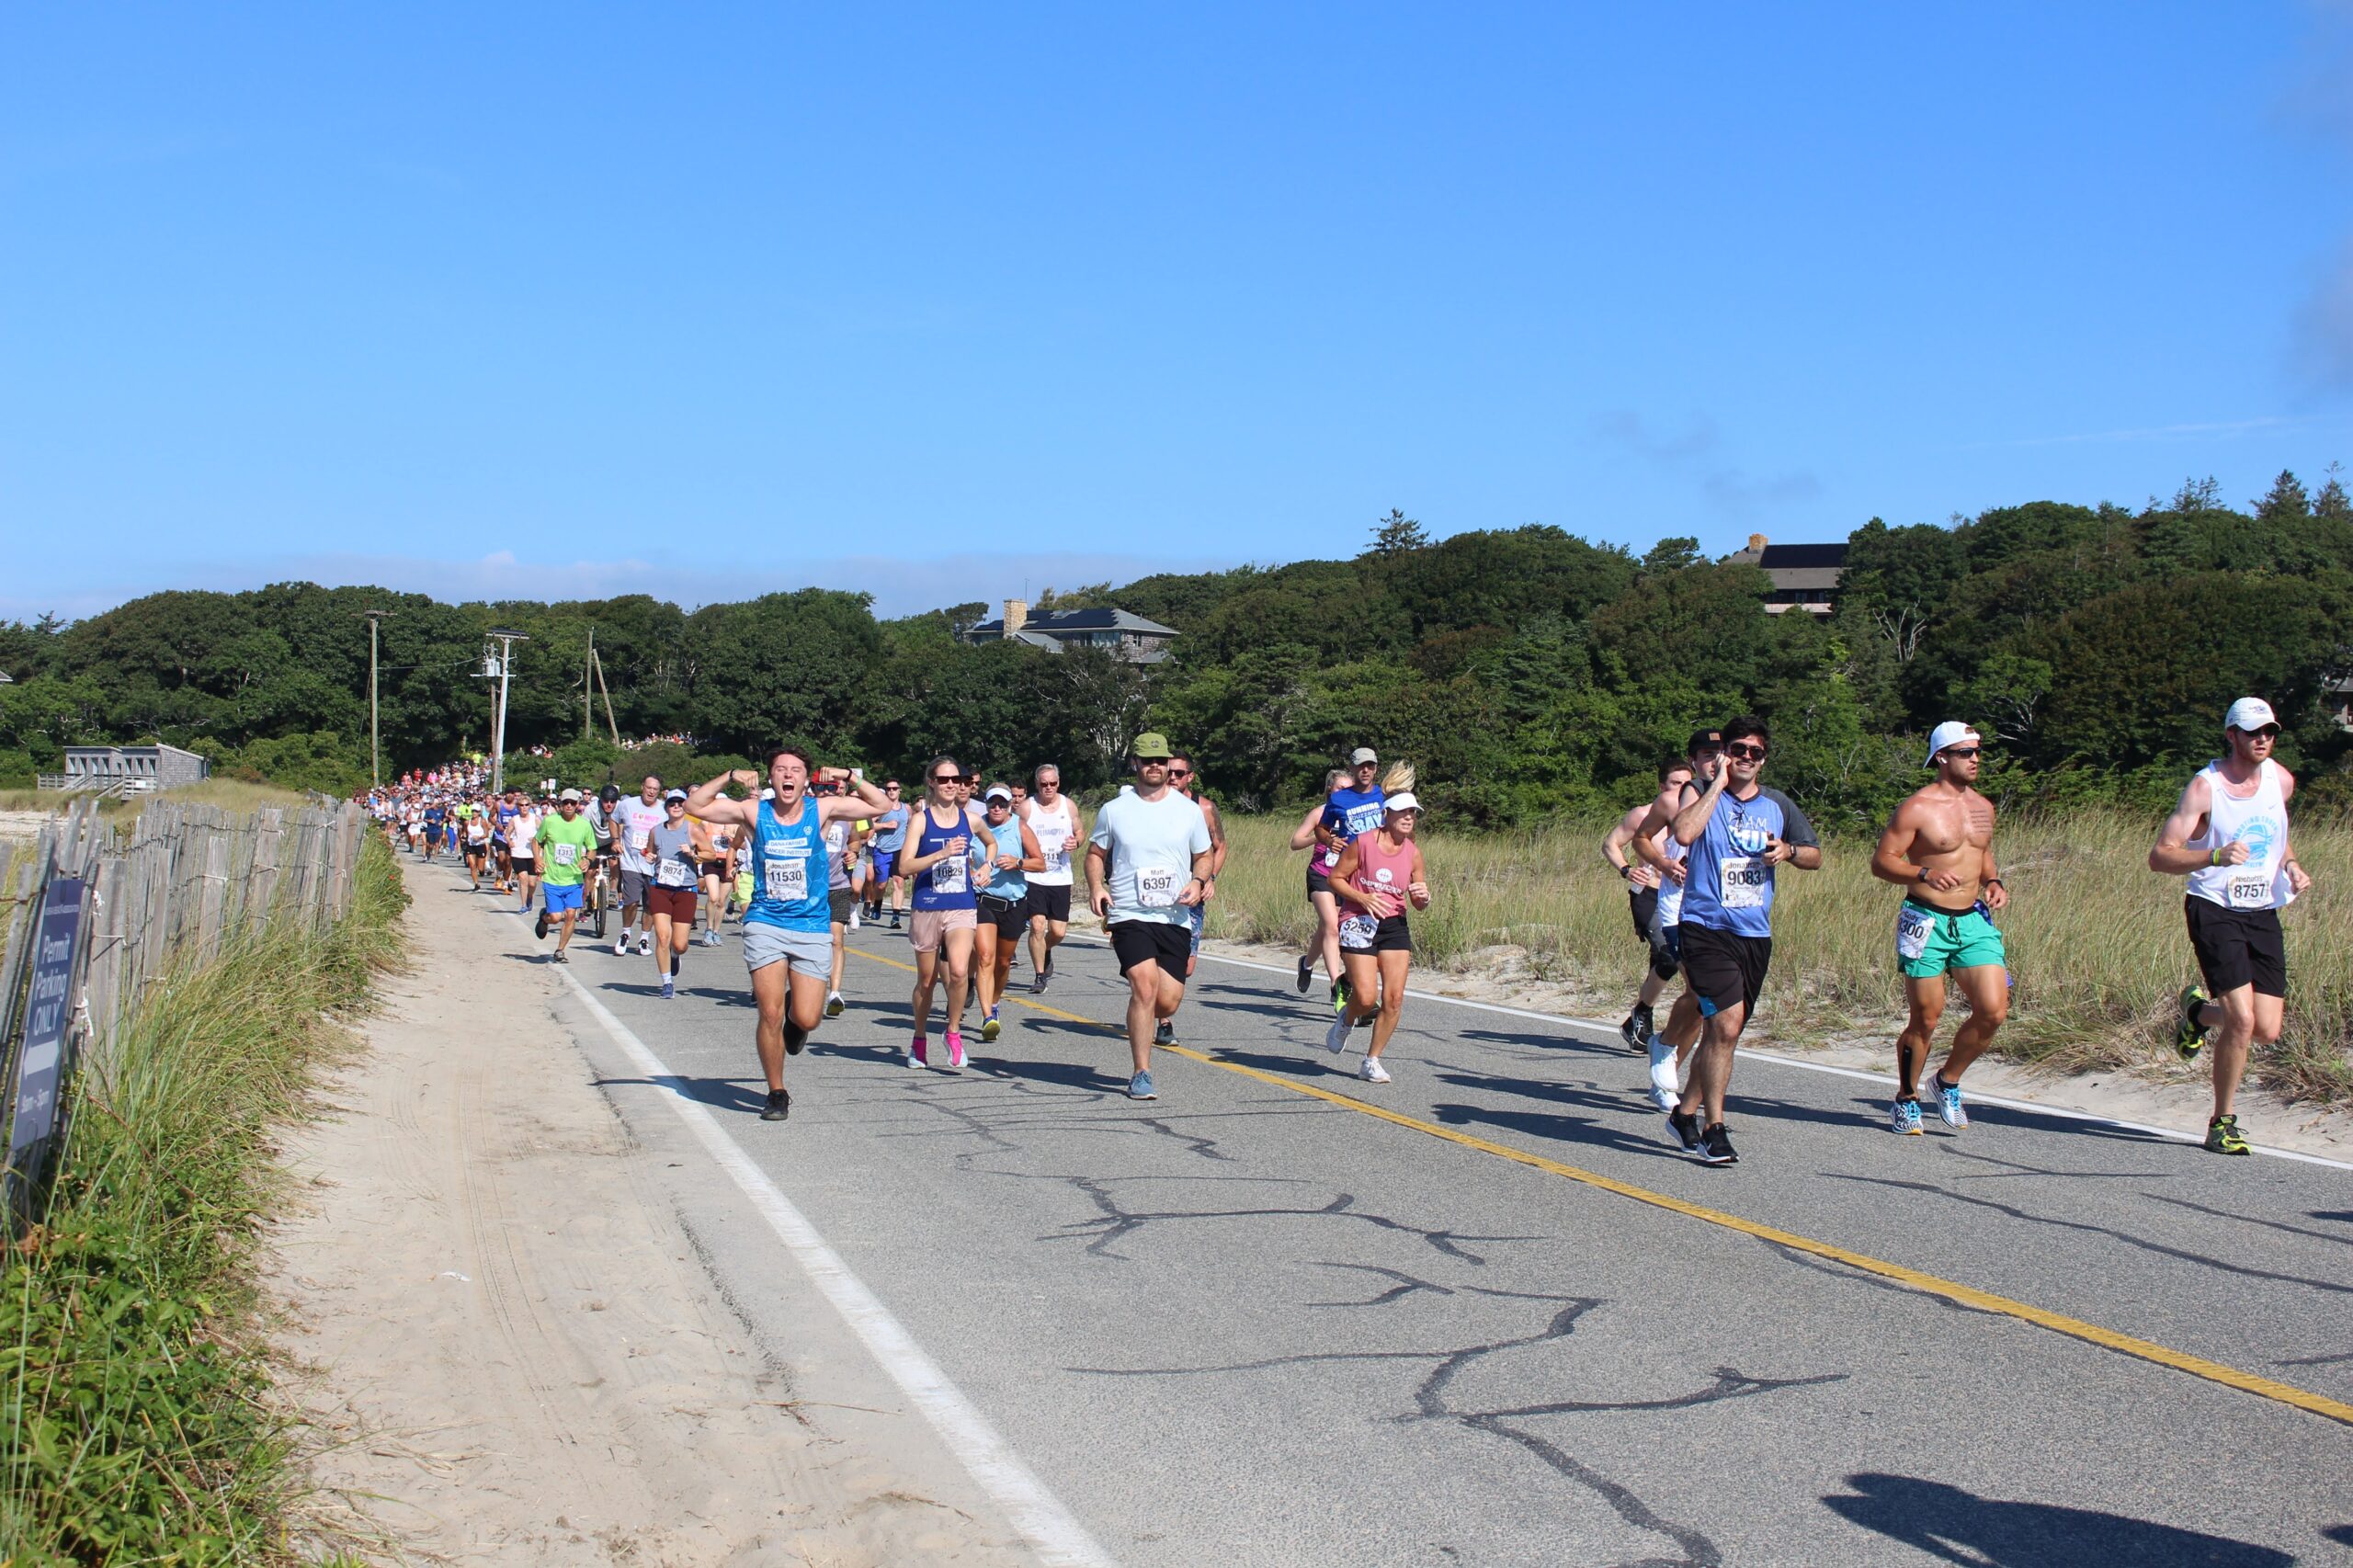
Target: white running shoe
(621, 946)
(1667, 1089)
(645, 944)
(853, 917)
(1335, 1038)
(1372, 1071)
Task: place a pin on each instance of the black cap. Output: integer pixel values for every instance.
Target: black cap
(1701, 739)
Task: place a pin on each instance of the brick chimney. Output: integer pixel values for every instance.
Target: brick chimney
(1016, 615)
(1757, 543)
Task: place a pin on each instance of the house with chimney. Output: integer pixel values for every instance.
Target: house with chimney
(1116, 632)
(1805, 576)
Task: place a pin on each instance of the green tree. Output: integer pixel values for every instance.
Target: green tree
(2285, 501)
(1397, 535)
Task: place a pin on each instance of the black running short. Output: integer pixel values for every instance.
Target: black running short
(1053, 903)
(1009, 916)
(1725, 968)
(1389, 935)
(2237, 947)
(1642, 903)
(838, 903)
(1318, 882)
(1151, 941)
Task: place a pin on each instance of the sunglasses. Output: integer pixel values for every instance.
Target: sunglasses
(1967, 754)
(947, 779)
(1746, 754)
(2266, 732)
(1180, 773)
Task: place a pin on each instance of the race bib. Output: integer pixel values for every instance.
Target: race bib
(1913, 926)
(1155, 887)
(1058, 859)
(1356, 931)
(674, 874)
(564, 854)
(787, 879)
(1744, 880)
(2250, 893)
(951, 874)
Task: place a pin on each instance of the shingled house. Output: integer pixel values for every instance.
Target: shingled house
(1130, 637)
(1805, 576)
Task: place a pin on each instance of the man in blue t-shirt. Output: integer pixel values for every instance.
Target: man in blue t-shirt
(1737, 832)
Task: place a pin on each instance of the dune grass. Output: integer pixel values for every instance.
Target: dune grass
(2096, 944)
(229, 794)
(133, 1422)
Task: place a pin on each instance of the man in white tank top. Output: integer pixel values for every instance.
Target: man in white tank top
(2229, 836)
(1053, 817)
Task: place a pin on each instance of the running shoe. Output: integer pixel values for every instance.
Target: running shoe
(1903, 1117)
(1948, 1100)
(2189, 1035)
(1306, 971)
(1372, 1071)
(919, 1053)
(2223, 1137)
(894, 920)
(1717, 1148)
(854, 921)
(1685, 1131)
(989, 1027)
(834, 1005)
(669, 993)
(955, 1052)
(796, 1039)
(1340, 996)
(1335, 1038)
(540, 930)
(1038, 983)
(1165, 1034)
(558, 956)
(1140, 1088)
(645, 944)
(780, 1106)
(621, 946)
(1667, 1089)
(1631, 1031)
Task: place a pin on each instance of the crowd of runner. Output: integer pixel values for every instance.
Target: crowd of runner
(981, 873)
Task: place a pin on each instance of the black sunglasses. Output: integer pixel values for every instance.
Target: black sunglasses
(1965, 752)
(2269, 731)
(947, 779)
(1745, 753)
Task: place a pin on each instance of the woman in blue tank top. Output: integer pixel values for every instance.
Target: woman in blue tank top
(1004, 899)
(940, 842)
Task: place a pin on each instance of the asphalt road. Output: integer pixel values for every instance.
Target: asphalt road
(1250, 1324)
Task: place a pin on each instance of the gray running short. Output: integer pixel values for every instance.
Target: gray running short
(632, 887)
(812, 952)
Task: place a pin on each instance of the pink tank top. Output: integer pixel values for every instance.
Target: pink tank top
(1384, 870)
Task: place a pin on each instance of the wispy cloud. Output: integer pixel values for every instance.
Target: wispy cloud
(2225, 428)
(1695, 451)
(900, 586)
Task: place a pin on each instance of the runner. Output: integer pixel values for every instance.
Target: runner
(714, 847)
(1153, 848)
(669, 850)
(1643, 881)
(890, 842)
(477, 847)
(1053, 819)
(1737, 831)
(523, 847)
(2228, 835)
(844, 838)
(1671, 1045)
(564, 843)
(1181, 778)
(786, 945)
(1939, 847)
(940, 862)
(1380, 874)
(502, 819)
(1002, 905)
(633, 820)
(1348, 810)
(1326, 940)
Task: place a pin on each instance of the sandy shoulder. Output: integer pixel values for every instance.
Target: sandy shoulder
(499, 1335)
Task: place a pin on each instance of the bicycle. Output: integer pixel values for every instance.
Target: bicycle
(599, 899)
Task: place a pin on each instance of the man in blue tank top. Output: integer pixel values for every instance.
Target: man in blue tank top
(788, 930)
(1738, 832)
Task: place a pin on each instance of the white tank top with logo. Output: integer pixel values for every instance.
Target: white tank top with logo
(1056, 832)
(2259, 822)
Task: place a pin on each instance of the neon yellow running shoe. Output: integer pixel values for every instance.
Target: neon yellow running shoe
(2189, 1035)
(2223, 1137)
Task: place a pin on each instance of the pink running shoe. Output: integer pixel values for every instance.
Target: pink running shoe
(919, 1053)
(955, 1052)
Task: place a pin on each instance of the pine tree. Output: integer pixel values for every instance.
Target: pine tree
(1397, 534)
(2285, 500)
(2331, 501)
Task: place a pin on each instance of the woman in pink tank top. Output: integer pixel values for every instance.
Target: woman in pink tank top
(1380, 874)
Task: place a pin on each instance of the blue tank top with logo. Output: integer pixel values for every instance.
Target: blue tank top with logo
(789, 872)
(947, 882)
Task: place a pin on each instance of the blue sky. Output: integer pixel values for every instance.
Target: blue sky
(942, 301)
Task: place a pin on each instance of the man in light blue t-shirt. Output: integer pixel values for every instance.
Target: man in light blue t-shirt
(1147, 864)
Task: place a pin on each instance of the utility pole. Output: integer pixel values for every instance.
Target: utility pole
(598, 660)
(587, 691)
(375, 747)
(499, 664)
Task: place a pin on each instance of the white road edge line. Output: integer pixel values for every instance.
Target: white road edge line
(2170, 1134)
(1040, 1517)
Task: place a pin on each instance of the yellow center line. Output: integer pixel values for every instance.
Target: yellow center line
(1912, 1278)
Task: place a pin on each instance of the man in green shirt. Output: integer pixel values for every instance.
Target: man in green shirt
(565, 842)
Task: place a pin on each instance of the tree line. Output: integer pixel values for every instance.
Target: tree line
(1528, 672)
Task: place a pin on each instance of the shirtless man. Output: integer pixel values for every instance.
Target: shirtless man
(1939, 847)
(1642, 889)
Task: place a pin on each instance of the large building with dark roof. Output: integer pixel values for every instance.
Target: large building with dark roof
(1125, 636)
(1805, 576)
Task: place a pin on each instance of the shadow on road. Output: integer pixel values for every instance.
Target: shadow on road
(1959, 1526)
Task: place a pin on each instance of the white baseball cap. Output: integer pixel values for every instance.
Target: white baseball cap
(1952, 732)
(1000, 793)
(1363, 755)
(2249, 713)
